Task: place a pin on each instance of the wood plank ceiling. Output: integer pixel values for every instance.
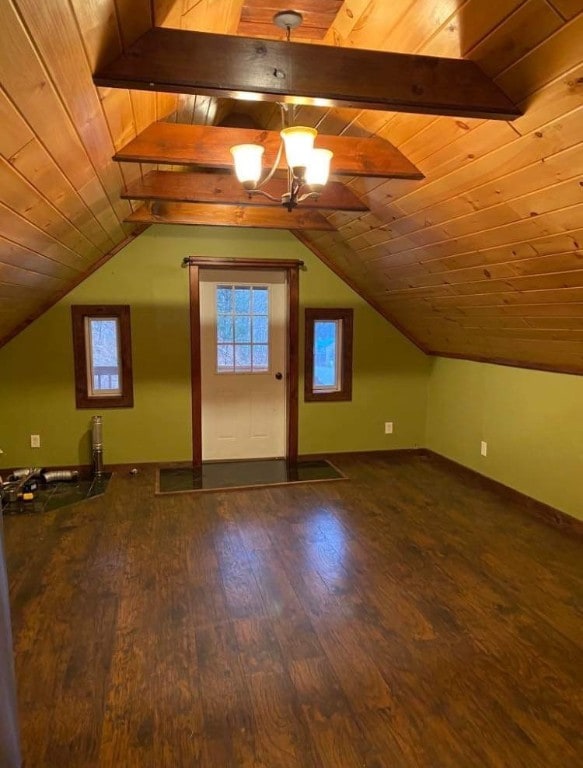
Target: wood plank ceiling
(482, 259)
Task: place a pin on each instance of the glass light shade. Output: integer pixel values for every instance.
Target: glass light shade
(318, 168)
(247, 159)
(299, 144)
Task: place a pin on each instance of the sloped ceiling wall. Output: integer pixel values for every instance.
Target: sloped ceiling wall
(482, 259)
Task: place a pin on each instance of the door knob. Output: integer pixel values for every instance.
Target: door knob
(279, 376)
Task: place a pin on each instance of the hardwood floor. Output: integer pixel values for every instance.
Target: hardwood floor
(407, 618)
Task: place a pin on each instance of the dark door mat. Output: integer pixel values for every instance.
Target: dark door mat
(56, 495)
(244, 474)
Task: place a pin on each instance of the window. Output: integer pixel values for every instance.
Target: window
(328, 362)
(103, 357)
(242, 328)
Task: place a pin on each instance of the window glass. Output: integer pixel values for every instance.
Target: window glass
(242, 300)
(224, 300)
(260, 301)
(225, 357)
(103, 359)
(260, 357)
(242, 329)
(260, 330)
(102, 356)
(328, 354)
(326, 346)
(225, 328)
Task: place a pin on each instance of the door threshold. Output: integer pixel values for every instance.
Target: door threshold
(244, 474)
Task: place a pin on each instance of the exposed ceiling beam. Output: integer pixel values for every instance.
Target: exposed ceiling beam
(180, 61)
(208, 146)
(224, 188)
(229, 216)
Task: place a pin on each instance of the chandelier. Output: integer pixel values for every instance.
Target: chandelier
(308, 167)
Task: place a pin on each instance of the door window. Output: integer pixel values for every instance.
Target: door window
(242, 337)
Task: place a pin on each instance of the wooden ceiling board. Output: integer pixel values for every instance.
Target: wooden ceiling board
(459, 37)
(366, 24)
(30, 161)
(481, 259)
(559, 52)
(16, 193)
(61, 190)
(537, 175)
(27, 312)
(568, 8)
(19, 230)
(348, 14)
(317, 19)
(205, 15)
(16, 276)
(508, 153)
(17, 256)
(169, 13)
(34, 99)
(266, 30)
(521, 32)
(256, 18)
(56, 35)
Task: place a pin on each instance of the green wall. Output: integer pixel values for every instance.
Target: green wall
(36, 385)
(531, 420)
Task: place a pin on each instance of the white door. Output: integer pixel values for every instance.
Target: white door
(243, 357)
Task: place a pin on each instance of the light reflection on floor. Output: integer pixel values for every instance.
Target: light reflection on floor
(324, 553)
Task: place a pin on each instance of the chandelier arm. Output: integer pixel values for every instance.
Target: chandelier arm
(264, 194)
(307, 196)
(284, 110)
(273, 168)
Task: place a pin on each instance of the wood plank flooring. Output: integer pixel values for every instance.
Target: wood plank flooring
(409, 618)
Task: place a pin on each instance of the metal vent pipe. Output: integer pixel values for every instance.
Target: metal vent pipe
(97, 445)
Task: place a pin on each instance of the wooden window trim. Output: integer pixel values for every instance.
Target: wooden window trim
(122, 313)
(345, 392)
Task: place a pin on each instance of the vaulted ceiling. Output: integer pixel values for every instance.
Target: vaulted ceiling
(483, 258)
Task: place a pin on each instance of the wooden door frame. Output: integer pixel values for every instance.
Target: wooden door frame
(291, 268)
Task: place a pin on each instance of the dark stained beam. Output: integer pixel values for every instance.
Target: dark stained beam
(229, 216)
(223, 188)
(180, 61)
(208, 146)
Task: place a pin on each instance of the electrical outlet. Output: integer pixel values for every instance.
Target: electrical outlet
(388, 427)
(484, 448)
(35, 441)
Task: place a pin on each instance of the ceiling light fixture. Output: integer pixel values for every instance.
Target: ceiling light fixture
(308, 167)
